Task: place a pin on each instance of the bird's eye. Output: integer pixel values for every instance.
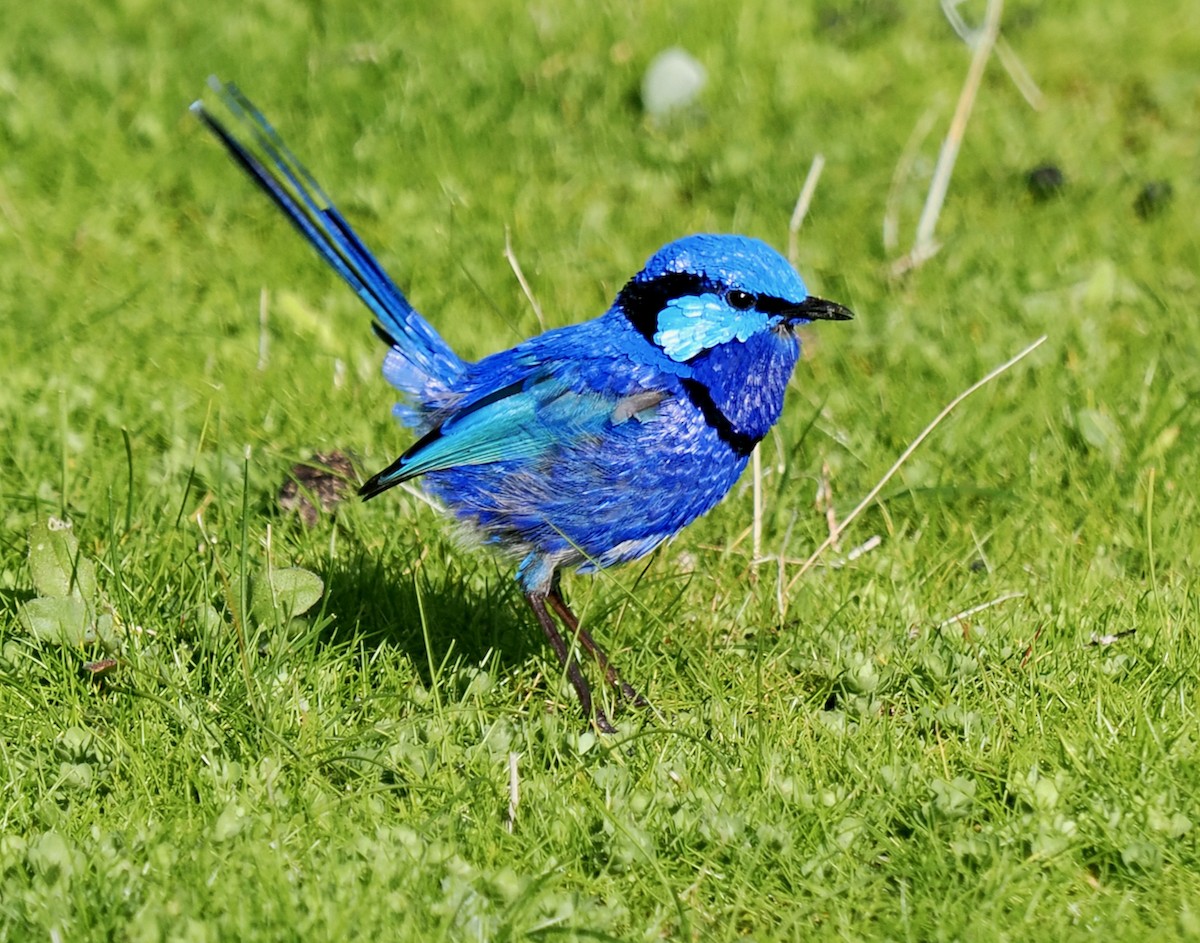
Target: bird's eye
(742, 300)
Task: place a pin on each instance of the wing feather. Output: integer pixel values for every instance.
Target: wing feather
(524, 420)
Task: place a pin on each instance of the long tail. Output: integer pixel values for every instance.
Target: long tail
(420, 364)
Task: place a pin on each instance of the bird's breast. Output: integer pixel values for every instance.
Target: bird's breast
(738, 388)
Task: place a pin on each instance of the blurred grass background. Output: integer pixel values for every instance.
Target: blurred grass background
(852, 763)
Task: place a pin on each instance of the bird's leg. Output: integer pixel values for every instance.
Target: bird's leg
(610, 673)
(537, 602)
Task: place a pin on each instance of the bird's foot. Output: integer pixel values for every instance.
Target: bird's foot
(630, 695)
(601, 722)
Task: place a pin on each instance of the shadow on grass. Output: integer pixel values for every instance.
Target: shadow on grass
(379, 604)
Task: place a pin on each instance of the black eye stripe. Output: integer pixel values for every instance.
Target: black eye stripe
(769, 304)
(643, 300)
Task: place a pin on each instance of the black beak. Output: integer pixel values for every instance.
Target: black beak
(818, 309)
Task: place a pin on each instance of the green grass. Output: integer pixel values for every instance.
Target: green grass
(843, 766)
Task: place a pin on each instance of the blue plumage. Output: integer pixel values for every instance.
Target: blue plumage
(588, 445)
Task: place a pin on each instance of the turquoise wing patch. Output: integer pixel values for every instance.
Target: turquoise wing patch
(523, 420)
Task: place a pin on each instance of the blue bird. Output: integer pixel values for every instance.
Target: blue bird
(586, 446)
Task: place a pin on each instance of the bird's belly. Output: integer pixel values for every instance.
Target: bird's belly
(599, 502)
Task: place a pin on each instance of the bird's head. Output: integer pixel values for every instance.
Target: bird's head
(699, 292)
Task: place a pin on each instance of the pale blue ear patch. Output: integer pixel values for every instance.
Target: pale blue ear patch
(693, 323)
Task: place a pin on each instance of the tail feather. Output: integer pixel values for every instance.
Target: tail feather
(420, 363)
